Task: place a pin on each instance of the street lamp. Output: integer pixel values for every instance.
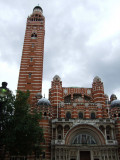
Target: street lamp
(4, 90)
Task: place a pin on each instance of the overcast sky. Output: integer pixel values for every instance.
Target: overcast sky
(82, 40)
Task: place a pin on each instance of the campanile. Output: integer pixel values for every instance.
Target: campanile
(31, 68)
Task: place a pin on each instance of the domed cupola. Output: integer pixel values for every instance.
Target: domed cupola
(113, 97)
(115, 103)
(37, 9)
(44, 106)
(97, 79)
(98, 90)
(43, 102)
(56, 78)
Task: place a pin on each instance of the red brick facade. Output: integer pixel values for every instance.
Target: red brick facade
(76, 121)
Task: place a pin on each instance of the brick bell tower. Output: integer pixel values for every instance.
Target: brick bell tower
(31, 68)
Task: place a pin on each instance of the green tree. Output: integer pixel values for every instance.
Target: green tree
(22, 134)
(6, 111)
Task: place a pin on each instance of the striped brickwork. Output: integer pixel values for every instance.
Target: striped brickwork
(31, 68)
(46, 125)
(76, 100)
(55, 96)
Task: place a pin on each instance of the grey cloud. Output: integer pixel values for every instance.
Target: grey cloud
(70, 25)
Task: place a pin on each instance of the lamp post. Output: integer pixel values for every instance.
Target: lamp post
(4, 91)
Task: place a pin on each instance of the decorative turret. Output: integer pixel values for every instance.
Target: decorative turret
(44, 106)
(55, 94)
(98, 90)
(43, 102)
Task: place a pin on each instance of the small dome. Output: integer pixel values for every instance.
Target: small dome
(38, 8)
(113, 97)
(43, 102)
(56, 78)
(96, 79)
(115, 103)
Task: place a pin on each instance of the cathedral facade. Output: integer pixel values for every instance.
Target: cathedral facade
(78, 123)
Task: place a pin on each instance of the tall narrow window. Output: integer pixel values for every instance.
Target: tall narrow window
(93, 115)
(30, 75)
(31, 59)
(80, 115)
(33, 45)
(68, 115)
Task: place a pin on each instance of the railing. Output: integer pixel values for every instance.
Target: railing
(84, 121)
(111, 142)
(57, 142)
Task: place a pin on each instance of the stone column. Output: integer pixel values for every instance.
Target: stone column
(66, 154)
(59, 154)
(56, 133)
(105, 134)
(92, 155)
(52, 133)
(78, 155)
(63, 132)
(69, 155)
(55, 154)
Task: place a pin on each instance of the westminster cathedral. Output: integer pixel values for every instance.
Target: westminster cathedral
(78, 123)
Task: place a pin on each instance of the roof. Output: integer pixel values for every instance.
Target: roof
(38, 8)
(43, 102)
(115, 103)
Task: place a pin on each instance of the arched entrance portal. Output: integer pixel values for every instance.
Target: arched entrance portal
(84, 142)
(85, 139)
(84, 134)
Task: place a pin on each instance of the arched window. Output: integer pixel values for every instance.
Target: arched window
(80, 115)
(68, 115)
(114, 115)
(84, 139)
(33, 35)
(45, 114)
(67, 99)
(43, 155)
(93, 115)
(29, 75)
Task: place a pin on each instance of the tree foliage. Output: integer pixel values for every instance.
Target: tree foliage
(22, 134)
